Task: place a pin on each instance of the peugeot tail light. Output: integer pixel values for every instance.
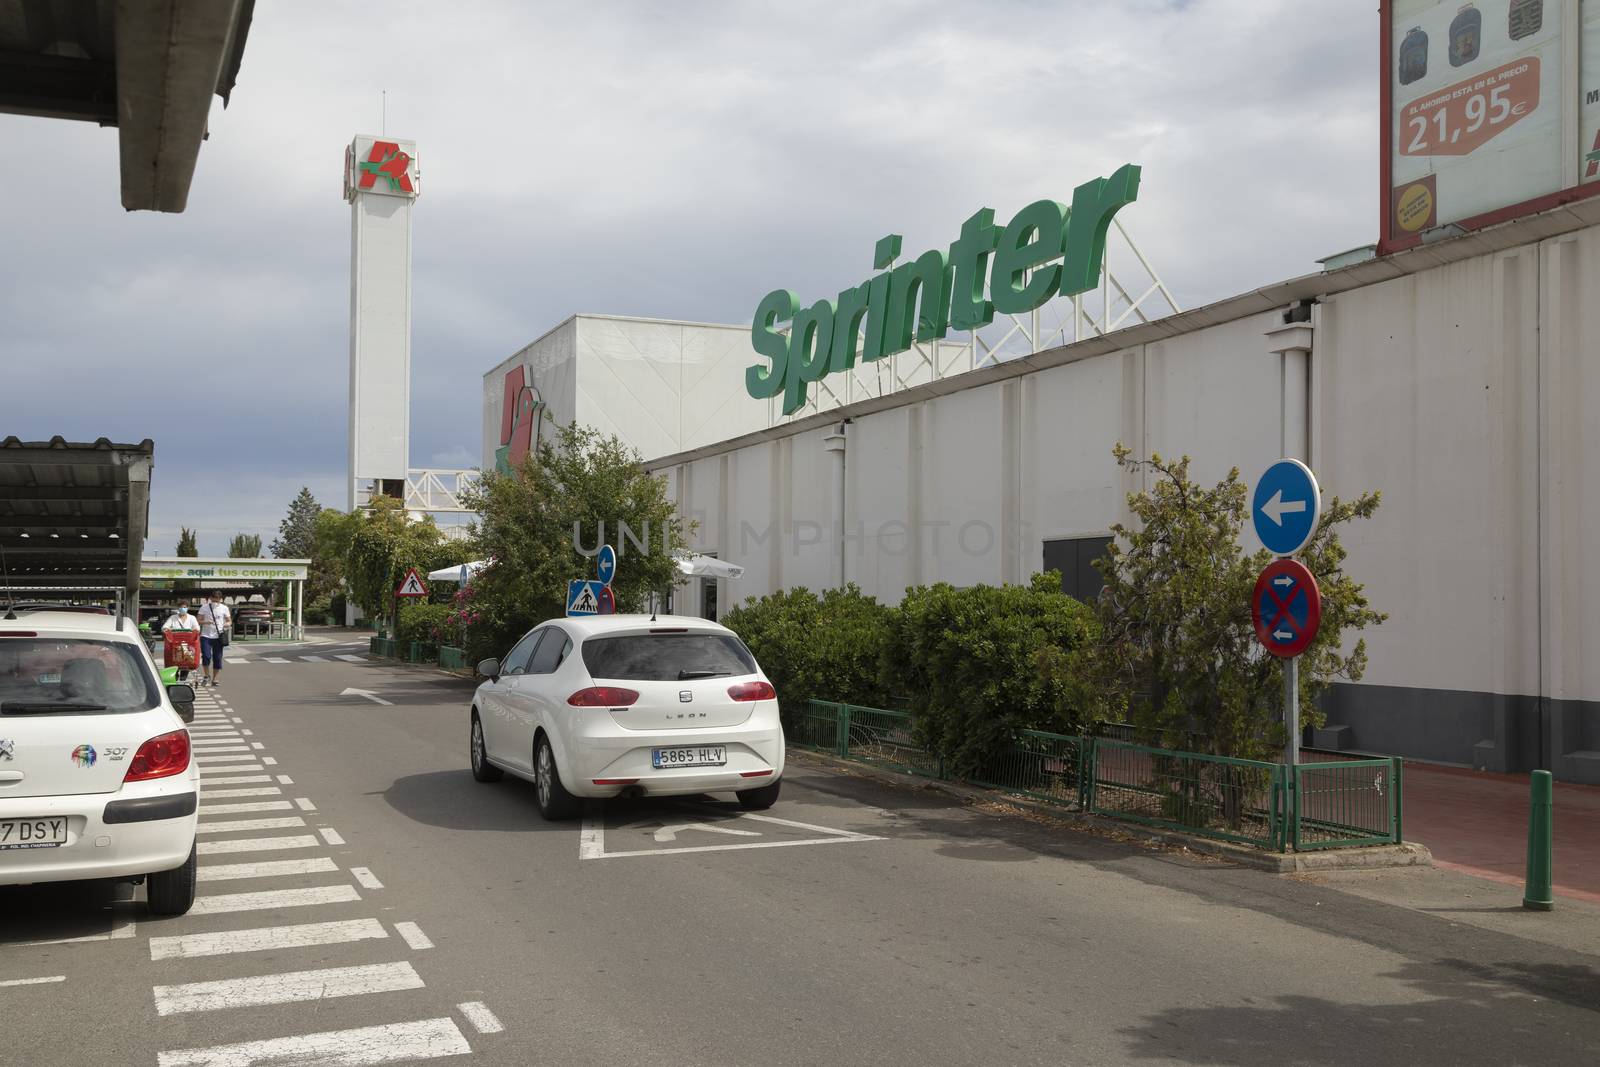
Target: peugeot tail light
(160, 757)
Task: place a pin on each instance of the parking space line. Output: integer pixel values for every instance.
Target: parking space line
(257, 844)
(226, 903)
(34, 981)
(413, 936)
(479, 1015)
(250, 824)
(228, 872)
(424, 1039)
(323, 984)
(301, 935)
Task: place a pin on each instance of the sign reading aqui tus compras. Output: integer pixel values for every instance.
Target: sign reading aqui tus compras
(925, 298)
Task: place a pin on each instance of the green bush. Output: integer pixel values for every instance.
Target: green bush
(424, 622)
(979, 664)
(825, 648)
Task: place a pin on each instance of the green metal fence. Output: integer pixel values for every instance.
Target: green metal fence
(385, 646)
(422, 652)
(452, 658)
(1347, 804)
(1214, 796)
(1041, 765)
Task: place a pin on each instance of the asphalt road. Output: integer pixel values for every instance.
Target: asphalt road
(413, 913)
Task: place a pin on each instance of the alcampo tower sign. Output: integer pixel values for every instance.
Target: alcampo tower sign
(925, 298)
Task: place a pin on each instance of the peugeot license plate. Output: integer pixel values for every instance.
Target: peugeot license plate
(33, 833)
(694, 756)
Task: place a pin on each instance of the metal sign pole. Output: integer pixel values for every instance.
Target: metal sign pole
(1291, 708)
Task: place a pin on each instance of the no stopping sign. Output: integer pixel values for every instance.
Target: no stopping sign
(1286, 607)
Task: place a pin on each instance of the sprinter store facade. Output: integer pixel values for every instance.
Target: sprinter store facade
(1459, 376)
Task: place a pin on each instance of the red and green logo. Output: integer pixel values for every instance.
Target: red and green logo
(1593, 159)
(388, 162)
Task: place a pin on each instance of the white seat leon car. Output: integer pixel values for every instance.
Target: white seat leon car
(96, 779)
(612, 705)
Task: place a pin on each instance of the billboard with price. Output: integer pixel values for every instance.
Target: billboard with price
(1487, 111)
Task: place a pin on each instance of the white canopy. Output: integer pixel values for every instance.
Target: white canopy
(698, 566)
(460, 572)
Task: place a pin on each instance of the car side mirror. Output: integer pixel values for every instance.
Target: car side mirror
(489, 668)
(182, 697)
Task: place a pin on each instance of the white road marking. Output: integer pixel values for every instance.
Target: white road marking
(203, 760)
(374, 697)
(247, 806)
(228, 872)
(367, 879)
(257, 844)
(226, 903)
(120, 932)
(304, 805)
(479, 1015)
(238, 768)
(256, 791)
(274, 659)
(220, 748)
(248, 733)
(267, 937)
(269, 761)
(424, 1039)
(331, 837)
(295, 986)
(592, 838)
(312, 659)
(284, 779)
(348, 658)
(233, 662)
(249, 824)
(257, 745)
(412, 935)
(34, 981)
(243, 779)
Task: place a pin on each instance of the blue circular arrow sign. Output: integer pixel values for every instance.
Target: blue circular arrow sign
(1285, 507)
(606, 565)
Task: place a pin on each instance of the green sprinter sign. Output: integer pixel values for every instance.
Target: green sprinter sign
(939, 291)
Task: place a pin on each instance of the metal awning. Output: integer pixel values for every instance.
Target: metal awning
(74, 513)
(149, 68)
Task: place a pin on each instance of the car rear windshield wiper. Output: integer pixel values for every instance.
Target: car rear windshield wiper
(701, 672)
(19, 707)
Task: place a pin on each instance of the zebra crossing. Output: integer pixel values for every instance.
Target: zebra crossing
(277, 884)
(243, 655)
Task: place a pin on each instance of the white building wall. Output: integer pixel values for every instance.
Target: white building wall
(550, 362)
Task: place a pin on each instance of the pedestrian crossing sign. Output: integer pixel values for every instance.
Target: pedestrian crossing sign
(583, 597)
(412, 585)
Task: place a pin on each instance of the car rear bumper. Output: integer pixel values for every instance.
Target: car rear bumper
(141, 829)
(622, 760)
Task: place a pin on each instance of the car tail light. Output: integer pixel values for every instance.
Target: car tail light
(603, 696)
(160, 757)
(753, 691)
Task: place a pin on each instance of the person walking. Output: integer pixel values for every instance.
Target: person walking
(215, 619)
(180, 645)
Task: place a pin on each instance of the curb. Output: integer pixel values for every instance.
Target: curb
(1375, 857)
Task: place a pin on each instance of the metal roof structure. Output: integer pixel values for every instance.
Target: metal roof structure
(74, 513)
(147, 67)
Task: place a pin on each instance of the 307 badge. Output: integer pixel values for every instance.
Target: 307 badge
(114, 753)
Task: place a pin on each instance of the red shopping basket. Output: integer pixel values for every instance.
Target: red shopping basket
(181, 648)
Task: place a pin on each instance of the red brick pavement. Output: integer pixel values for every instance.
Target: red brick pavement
(1478, 823)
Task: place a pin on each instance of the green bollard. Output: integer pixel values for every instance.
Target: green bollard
(1537, 894)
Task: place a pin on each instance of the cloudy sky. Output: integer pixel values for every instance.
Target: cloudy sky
(660, 159)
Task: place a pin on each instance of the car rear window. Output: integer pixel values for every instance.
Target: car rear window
(667, 657)
(60, 675)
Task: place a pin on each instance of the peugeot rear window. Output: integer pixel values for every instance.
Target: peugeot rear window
(667, 657)
(62, 675)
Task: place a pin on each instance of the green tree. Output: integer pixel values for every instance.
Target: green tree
(1178, 651)
(384, 543)
(825, 647)
(532, 520)
(245, 546)
(332, 533)
(187, 545)
(297, 532)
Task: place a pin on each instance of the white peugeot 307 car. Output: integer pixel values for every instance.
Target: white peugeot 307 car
(96, 779)
(609, 705)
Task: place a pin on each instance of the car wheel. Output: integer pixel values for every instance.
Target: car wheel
(760, 799)
(482, 769)
(172, 892)
(555, 803)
